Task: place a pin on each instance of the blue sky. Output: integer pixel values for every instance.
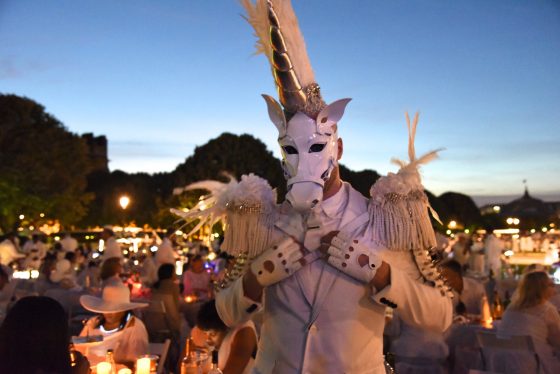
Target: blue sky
(160, 77)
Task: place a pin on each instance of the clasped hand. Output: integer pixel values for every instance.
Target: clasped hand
(350, 256)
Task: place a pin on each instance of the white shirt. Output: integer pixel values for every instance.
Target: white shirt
(225, 347)
(127, 344)
(165, 253)
(472, 294)
(112, 249)
(69, 244)
(542, 323)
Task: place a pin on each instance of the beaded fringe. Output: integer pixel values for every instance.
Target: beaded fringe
(248, 233)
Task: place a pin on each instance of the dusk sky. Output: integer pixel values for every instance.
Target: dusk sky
(161, 77)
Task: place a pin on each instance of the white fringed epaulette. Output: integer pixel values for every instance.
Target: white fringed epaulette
(399, 212)
(248, 209)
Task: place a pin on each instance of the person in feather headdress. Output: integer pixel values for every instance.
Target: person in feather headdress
(324, 264)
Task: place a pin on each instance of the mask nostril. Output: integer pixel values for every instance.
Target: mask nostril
(314, 202)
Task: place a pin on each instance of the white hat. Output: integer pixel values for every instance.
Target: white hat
(115, 298)
(62, 270)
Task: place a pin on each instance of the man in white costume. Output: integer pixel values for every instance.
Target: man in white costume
(325, 264)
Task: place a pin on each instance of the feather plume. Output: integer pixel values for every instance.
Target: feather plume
(247, 208)
(257, 16)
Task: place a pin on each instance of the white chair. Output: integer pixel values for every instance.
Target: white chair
(160, 349)
(508, 354)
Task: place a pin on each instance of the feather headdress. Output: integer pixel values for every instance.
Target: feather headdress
(247, 208)
(280, 39)
(399, 210)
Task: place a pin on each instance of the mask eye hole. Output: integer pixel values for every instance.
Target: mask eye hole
(317, 147)
(290, 150)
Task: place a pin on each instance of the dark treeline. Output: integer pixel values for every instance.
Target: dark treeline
(44, 168)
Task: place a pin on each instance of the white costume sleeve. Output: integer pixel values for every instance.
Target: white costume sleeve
(233, 306)
(418, 304)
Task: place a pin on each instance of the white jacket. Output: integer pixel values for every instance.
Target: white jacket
(340, 330)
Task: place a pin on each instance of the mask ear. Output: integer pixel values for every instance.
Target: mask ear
(330, 115)
(276, 115)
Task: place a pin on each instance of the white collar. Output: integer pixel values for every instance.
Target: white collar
(332, 206)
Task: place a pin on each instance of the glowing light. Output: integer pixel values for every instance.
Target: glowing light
(557, 276)
(509, 221)
(212, 256)
(153, 248)
(125, 252)
(124, 201)
(506, 231)
(448, 232)
(178, 233)
(21, 216)
(452, 224)
(179, 267)
(136, 262)
(496, 208)
(95, 255)
(189, 299)
(533, 231)
(508, 253)
(42, 215)
(31, 228)
(101, 245)
(552, 225)
(544, 229)
(21, 275)
(467, 231)
(516, 221)
(34, 274)
(57, 238)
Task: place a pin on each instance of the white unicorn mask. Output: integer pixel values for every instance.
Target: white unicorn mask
(309, 150)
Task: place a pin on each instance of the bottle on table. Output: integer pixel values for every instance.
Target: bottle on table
(189, 364)
(110, 358)
(214, 369)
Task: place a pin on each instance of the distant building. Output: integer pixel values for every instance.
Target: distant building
(529, 211)
(97, 152)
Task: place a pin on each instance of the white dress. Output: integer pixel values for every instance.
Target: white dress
(542, 323)
(225, 347)
(127, 344)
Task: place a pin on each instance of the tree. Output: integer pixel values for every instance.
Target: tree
(460, 208)
(43, 166)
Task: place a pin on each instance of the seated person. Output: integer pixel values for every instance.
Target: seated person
(236, 346)
(110, 272)
(34, 339)
(166, 291)
(197, 281)
(89, 277)
(122, 332)
(530, 313)
(470, 291)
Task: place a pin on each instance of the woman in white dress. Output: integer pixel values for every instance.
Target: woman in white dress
(236, 346)
(122, 332)
(530, 313)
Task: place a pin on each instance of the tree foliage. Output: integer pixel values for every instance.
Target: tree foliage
(43, 166)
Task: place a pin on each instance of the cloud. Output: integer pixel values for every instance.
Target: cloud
(11, 68)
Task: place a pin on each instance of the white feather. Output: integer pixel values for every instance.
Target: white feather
(257, 16)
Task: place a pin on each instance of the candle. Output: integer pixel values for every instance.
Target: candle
(143, 365)
(125, 371)
(103, 368)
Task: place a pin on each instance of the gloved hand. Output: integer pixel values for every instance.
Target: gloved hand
(277, 262)
(353, 258)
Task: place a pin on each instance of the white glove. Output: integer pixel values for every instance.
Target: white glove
(277, 262)
(351, 257)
